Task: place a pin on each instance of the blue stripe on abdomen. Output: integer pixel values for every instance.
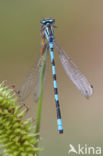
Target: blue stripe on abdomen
(56, 97)
(53, 70)
(52, 55)
(59, 122)
(55, 83)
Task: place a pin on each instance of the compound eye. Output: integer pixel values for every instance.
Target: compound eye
(42, 22)
(51, 20)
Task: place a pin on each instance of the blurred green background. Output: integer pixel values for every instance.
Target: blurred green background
(80, 33)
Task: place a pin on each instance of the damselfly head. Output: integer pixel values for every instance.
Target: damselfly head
(47, 21)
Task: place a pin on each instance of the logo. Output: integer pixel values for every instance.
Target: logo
(86, 149)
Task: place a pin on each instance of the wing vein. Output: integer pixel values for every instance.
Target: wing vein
(74, 73)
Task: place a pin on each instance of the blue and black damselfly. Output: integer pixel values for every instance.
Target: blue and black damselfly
(72, 71)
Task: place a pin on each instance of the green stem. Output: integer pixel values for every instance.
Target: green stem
(38, 118)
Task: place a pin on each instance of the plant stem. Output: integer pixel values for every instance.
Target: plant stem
(38, 118)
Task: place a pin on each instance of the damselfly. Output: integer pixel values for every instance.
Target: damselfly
(72, 71)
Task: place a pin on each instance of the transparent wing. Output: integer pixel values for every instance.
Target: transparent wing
(31, 82)
(37, 87)
(74, 73)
